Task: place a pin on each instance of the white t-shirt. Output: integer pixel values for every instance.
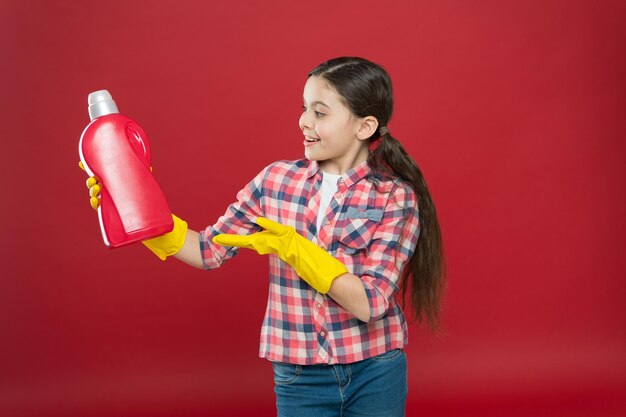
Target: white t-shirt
(329, 188)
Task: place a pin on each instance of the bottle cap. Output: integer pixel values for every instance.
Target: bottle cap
(100, 104)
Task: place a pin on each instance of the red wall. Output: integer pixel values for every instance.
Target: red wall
(514, 110)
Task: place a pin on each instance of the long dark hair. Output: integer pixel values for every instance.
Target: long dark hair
(366, 89)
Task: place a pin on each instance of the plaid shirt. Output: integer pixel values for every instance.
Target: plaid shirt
(371, 226)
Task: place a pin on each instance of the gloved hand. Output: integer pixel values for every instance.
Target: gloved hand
(312, 263)
(162, 246)
(94, 189)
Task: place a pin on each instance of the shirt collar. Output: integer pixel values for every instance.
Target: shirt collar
(354, 175)
(348, 178)
(312, 169)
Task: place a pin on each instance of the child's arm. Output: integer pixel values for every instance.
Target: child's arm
(348, 291)
(190, 252)
(312, 263)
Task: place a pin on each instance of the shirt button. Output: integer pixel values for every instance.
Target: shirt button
(318, 306)
(322, 333)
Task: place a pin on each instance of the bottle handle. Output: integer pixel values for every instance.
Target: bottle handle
(138, 142)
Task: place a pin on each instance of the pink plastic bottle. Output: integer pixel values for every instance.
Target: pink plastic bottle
(115, 150)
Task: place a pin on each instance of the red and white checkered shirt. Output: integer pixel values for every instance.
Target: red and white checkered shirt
(371, 226)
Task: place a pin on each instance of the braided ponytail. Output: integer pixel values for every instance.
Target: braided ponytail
(425, 273)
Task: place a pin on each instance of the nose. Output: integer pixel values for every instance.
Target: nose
(305, 121)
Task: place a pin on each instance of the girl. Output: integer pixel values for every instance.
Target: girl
(341, 227)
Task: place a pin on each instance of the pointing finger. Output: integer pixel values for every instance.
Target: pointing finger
(234, 240)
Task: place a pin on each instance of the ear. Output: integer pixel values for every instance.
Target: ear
(366, 127)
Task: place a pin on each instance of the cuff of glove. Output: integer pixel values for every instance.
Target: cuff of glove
(330, 271)
(170, 243)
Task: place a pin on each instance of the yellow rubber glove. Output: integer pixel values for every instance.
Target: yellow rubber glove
(94, 189)
(162, 246)
(312, 263)
(170, 243)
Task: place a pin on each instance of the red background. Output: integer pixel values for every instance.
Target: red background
(514, 110)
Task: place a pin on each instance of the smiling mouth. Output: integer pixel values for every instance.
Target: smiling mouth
(311, 140)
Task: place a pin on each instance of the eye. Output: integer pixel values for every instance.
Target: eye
(318, 114)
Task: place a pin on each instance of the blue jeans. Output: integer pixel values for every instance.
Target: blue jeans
(372, 387)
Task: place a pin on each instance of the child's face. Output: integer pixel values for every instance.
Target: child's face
(330, 129)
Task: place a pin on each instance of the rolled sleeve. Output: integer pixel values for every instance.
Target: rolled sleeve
(392, 245)
(239, 218)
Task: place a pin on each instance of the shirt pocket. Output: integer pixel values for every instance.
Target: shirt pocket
(355, 229)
